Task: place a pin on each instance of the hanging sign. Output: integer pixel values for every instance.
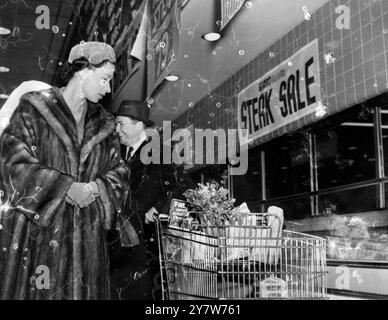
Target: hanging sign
(127, 58)
(229, 9)
(283, 96)
(163, 35)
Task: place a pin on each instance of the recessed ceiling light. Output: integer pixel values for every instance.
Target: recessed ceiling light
(211, 36)
(172, 77)
(4, 31)
(4, 96)
(4, 69)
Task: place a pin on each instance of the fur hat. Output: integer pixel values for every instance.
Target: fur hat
(95, 52)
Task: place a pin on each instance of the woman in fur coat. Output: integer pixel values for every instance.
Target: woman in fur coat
(61, 182)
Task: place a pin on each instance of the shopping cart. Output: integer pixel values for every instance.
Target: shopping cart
(251, 261)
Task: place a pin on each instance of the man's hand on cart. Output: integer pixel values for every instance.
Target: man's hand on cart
(151, 215)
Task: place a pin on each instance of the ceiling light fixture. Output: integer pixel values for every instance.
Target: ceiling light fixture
(172, 77)
(211, 36)
(4, 69)
(4, 31)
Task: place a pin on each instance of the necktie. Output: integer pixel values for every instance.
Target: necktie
(129, 153)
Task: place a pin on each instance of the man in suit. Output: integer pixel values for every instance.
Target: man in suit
(135, 271)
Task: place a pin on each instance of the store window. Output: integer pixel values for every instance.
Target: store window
(218, 173)
(248, 187)
(346, 152)
(287, 162)
(196, 176)
(288, 166)
(346, 155)
(347, 159)
(329, 173)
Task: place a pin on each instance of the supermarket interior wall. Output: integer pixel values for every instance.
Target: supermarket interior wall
(360, 70)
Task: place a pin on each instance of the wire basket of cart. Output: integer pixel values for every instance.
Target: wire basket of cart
(255, 260)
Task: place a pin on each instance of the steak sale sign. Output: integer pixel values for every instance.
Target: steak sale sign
(282, 96)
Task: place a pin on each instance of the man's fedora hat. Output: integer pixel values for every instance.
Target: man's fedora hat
(137, 110)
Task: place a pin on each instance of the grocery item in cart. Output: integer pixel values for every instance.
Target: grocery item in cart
(258, 236)
(273, 288)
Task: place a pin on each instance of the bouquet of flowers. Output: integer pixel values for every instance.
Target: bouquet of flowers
(211, 202)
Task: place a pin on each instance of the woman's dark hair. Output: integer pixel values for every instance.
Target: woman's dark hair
(67, 70)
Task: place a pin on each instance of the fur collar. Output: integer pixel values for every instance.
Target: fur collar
(99, 124)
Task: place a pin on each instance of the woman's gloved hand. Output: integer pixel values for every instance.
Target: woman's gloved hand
(151, 215)
(82, 194)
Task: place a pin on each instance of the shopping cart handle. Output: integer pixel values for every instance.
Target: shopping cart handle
(163, 217)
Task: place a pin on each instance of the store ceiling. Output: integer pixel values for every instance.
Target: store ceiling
(28, 52)
(203, 66)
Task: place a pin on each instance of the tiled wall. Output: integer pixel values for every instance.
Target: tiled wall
(359, 72)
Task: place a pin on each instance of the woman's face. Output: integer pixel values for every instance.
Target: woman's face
(96, 84)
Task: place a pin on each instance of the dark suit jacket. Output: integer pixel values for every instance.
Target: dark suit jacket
(151, 185)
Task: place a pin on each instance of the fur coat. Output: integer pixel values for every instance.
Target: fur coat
(50, 249)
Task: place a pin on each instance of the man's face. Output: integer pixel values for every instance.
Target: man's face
(96, 83)
(129, 130)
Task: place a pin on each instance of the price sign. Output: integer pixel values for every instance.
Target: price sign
(178, 212)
